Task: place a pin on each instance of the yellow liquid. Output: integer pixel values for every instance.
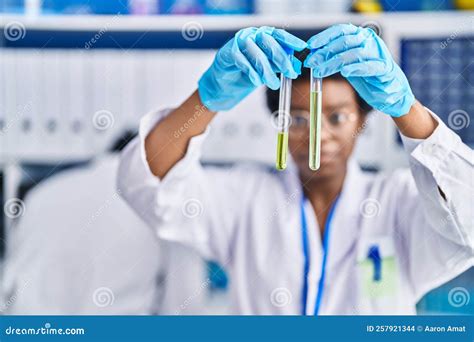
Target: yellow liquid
(315, 130)
(282, 151)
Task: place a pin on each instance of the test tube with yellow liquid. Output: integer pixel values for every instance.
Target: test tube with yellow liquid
(283, 119)
(316, 92)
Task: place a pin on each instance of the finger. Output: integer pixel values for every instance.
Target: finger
(340, 45)
(258, 59)
(330, 34)
(366, 69)
(288, 40)
(244, 65)
(297, 65)
(277, 55)
(335, 64)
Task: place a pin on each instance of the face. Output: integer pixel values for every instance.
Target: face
(340, 127)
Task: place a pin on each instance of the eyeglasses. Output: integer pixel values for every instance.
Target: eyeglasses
(300, 120)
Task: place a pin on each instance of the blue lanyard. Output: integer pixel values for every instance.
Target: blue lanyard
(304, 235)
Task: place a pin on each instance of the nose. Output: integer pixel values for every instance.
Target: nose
(326, 132)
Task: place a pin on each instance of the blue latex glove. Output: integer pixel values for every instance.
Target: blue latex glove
(250, 59)
(363, 58)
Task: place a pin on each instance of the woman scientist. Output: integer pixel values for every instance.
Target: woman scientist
(335, 241)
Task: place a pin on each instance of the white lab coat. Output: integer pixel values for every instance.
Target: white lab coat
(79, 249)
(248, 219)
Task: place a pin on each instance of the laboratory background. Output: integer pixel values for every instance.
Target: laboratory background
(75, 78)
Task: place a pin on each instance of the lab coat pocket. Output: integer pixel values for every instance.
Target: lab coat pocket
(378, 270)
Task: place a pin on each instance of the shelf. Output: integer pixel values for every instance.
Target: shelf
(234, 22)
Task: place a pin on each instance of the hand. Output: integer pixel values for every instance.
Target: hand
(250, 59)
(363, 58)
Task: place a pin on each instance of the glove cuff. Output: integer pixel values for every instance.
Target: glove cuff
(401, 107)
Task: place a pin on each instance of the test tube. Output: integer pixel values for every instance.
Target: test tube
(315, 104)
(283, 119)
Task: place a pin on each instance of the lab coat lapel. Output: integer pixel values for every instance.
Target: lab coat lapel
(345, 225)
